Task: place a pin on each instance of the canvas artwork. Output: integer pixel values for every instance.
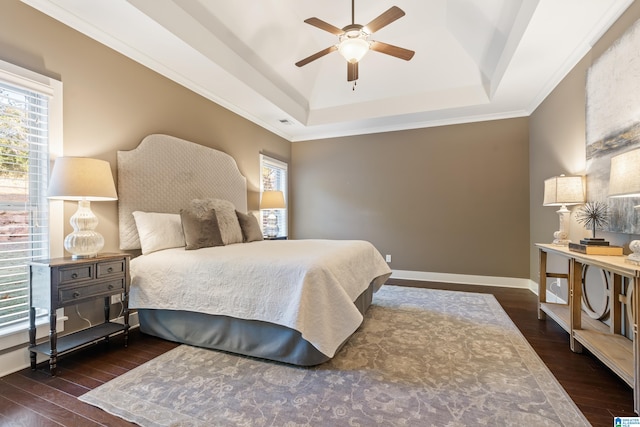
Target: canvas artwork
(613, 124)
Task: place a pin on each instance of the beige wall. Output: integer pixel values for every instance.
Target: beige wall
(450, 199)
(111, 103)
(557, 143)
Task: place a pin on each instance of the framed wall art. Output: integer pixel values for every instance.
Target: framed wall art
(613, 124)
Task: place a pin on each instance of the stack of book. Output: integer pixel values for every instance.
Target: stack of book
(595, 246)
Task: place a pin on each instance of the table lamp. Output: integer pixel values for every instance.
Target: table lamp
(85, 180)
(624, 181)
(562, 191)
(272, 200)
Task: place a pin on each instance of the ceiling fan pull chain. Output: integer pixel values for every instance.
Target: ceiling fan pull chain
(355, 82)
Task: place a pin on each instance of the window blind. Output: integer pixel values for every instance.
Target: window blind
(274, 177)
(24, 216)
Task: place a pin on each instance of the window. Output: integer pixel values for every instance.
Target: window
(274, 177)
(25, 134)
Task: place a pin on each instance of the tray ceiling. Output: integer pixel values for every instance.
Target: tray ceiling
(475, 59)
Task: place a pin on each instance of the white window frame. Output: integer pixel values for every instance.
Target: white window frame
(17, 334)
(283, 215)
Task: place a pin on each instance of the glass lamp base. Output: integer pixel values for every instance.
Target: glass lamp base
(84, 242)
(271, 229)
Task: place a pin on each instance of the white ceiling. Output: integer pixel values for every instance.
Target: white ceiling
(475, 59)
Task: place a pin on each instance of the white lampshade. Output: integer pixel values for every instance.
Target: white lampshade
(353, 49)
(272, 200)
(81, 178)
(624, 180)
(563, 190)
(84, 180)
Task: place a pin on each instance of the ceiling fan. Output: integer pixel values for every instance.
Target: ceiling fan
(353, 40)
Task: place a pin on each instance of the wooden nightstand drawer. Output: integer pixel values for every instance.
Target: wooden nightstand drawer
(75, 274)
(74, 294)
(110, 268)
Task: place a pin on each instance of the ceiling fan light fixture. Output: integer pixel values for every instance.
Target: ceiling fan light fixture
(353, 49)
(353, 40)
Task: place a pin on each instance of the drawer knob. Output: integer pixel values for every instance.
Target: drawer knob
(74, 276)
(110, 286)
(76, 294)
(110, 270)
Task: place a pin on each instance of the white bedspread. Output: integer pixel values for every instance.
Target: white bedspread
(306, 285)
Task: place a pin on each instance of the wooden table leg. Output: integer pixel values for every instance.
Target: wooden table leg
(542, 285)
(575, 302)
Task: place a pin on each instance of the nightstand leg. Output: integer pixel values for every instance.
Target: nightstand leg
(32, 337)
(107, 301)
(107, 305)
(125, 313)
(53, 339)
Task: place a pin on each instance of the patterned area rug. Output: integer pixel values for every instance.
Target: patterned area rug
(422, 358)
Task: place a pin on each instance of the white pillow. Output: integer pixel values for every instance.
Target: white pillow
(159, 231)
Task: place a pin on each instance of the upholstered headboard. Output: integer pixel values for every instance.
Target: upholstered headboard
(164, 173)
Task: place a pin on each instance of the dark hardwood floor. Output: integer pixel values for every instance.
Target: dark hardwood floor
(34, 398)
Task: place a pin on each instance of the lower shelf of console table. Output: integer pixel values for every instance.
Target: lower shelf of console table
(615, 351)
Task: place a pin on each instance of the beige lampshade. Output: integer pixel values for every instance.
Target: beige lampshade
(272, 200)
(81, 178)
(624, 179)
(563, 190)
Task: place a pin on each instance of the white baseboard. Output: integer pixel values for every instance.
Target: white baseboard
(465, 279)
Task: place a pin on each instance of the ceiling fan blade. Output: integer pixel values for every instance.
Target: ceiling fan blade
(319, 23)
(392, 50)
(385, 19)
(352, 71)
(316, 55)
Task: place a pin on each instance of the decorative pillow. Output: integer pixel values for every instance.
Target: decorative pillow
(226, 214)
(200, 231)
(158, 231)
(250, 228)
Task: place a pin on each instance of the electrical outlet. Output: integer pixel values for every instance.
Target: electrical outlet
(116, 298)
(388, 258)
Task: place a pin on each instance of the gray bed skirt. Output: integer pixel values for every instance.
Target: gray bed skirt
(248, 337)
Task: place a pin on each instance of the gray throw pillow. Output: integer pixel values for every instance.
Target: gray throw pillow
(201, 230)
(226, 214)
(250, 228)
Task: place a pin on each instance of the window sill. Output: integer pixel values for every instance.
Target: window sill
(18, 334)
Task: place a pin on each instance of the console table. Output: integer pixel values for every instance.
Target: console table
(606, 342)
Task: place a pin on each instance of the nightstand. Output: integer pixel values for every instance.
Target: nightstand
(63, 282)
(276, 238)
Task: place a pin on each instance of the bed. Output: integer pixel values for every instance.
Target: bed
(292, 301)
